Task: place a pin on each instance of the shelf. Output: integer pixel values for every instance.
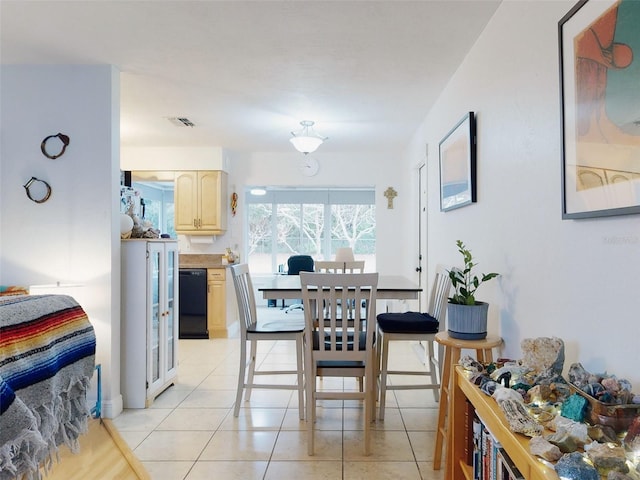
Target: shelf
(467, 470)
(516, 445)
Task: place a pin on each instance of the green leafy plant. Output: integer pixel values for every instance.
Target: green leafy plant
(463, 281)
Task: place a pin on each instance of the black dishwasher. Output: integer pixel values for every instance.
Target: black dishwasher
(193, 303)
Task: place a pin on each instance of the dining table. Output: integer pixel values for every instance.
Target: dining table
(390, 287)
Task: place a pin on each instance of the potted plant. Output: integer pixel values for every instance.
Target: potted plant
(467, 317)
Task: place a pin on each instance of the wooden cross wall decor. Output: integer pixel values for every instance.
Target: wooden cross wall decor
(390, 193)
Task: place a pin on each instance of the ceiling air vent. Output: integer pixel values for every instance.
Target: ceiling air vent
(181, 122)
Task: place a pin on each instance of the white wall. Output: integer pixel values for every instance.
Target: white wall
(576, 280)
(73, 237)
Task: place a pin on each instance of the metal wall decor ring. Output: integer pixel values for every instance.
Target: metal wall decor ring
(45, 195)
(65, 143)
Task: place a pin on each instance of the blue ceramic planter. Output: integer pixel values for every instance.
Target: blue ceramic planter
(467, 322)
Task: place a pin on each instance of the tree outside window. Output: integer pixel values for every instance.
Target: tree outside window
(315, 229)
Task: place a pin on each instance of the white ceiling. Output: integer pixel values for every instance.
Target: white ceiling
(247, 72)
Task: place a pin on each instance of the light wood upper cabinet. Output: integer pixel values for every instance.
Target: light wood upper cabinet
(200, 202)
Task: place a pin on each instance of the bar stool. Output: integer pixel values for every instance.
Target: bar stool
(452, 352)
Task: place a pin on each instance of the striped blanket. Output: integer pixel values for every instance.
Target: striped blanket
(47, 357)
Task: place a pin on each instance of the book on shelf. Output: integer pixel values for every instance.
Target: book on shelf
(507, 470)
(477, 450)
(490, 461)
(469, 413)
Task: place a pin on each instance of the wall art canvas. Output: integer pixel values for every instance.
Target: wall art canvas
(458, 165)
(599, 43)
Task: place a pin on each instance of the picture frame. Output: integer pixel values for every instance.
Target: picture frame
(458, 165)
(599, 53)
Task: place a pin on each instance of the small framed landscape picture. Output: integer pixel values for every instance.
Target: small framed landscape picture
(458, 165)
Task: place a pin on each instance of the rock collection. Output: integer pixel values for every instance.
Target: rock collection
(533, 396)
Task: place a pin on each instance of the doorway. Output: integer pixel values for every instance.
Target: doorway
(423, 267)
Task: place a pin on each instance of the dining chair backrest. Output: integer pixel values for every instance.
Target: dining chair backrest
(334, 266)
(245, 296)
(323, 294)
(356, 266)
(329, 266)
(439, 294)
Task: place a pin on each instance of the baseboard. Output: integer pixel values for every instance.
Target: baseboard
(113, 407)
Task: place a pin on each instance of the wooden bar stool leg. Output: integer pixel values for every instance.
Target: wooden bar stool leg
(452, 352)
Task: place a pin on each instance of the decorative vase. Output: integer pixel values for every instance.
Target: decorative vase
(467, 322)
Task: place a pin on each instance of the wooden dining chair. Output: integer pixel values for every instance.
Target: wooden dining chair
(252, 330)
(415, 327)
(334, 266)
(334, 348)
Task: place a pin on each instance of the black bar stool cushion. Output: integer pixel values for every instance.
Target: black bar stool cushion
(408, 322)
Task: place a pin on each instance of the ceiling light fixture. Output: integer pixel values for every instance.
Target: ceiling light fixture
(258, 191)
(306, 140)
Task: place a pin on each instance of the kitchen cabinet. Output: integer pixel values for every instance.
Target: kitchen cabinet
(149, 319)
(200, 199)
(216, 303)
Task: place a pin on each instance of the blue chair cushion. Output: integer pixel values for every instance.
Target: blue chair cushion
(408, 322)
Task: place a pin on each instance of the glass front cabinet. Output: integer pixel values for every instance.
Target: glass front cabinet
(149, 319)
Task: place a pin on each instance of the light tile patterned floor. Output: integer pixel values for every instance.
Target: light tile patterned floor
(189, 433)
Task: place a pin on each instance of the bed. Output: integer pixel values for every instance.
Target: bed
(47, 359)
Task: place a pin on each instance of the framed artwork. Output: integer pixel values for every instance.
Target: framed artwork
(599, 47)
(458, 165)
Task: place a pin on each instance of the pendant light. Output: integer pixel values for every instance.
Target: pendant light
(306, 140)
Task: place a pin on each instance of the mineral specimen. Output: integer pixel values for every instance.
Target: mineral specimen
(603, 434)
(605, 388)
(634, 431)
(607, 457)
(502, 393)
(574, 407)
(543, 355)
(471, 364)
(519, 419)
(543, 448)
(577, 430)
(613, 475)
(565, 442)
(573, 467)
(578, 375)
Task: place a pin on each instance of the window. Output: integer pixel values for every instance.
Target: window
(316, 222)
(156, 205)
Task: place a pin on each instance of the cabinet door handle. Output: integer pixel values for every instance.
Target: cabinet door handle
(195, 223)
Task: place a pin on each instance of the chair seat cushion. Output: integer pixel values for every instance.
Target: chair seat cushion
(340, 364)
(408, 322)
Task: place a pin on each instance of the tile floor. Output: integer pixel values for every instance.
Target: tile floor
(190, 433)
